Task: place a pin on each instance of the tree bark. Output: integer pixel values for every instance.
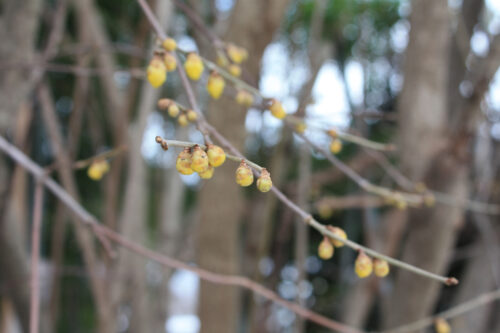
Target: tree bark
(423, 112)
(221, 199)
(18, 45)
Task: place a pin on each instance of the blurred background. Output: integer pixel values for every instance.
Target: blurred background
(420, 74)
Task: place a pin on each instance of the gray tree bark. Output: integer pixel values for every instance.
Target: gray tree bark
(423, 113)
(17, 31)
(221, 198)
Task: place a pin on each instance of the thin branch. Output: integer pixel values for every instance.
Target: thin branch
(89, 220)
(451, 313)
(359, 140)
(138, 73)
(442, 198)
(81, 164)
(35, 259)
(349, 202)
(366, 185)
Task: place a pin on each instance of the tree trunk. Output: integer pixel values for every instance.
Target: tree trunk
(221, 198)
(18, 45)
(423, 113)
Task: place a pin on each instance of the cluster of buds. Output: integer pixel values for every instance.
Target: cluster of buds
(162, 62)
(364, 266)
(235, 56)
(327, 245)
(335, 144)
(184, 116)
(244, 177)
(203, 162)
(98, 169)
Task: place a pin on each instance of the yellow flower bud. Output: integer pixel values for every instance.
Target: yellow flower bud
(380, 267)
(207, 174)
(244, 53)
(170, 62)
(244, 175)
(216, 155)
(173, 110)
(183, 120)
(183, 163)
(164, 103)
(325, 249)
(420, 187)
(193, 66)
(222, 60)
(235, 53)
(156, 72)
(429, 200)
(332, 133)
(244, 98)
(339, 232)
(335, 146)
(215, 85)
(325, 211)
(264, 182)
(97, 169)
(234, 70)
(401, 204)
(363, 265)
(397, 200)
(191, 115)
(169, 44)
(277, 109)
(442, 326)
(199, 159)
(300, 127)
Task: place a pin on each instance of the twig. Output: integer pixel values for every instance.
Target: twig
(347, 202)
(80, 164)
(35, 259)
(100, 230)
(451, 313)
(359, 140)
(366, 185)
(442, 198)
(306, 217)
(183, 144)
(70, 69)
(196, 20)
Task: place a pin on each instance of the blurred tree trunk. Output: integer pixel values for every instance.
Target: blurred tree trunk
(431, 149)
(423, 110)
(222, 201)
(18, 45)
(131, 281)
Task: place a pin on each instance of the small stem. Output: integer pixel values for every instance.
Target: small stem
(346, 136)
